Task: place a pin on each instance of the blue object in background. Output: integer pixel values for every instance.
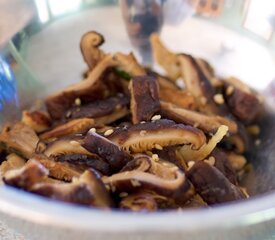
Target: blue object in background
(8, 89)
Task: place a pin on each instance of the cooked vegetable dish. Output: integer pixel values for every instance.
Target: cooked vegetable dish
(127, 137)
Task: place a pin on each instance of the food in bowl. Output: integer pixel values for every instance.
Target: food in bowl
(127, 137)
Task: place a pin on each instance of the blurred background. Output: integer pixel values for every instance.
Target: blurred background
(39, 39)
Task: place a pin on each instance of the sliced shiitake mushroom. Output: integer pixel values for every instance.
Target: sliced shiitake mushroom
(89, 46)
(199, 86)
(144, 98)
(179, 98)
(243, 103)
(69, 150)
(20, 139)
(81, 125)
(161, 177)
(88, 189)
(165, 58)
(212, 185)
(144, 136)
(39, 121)
(87, 91)
(208, 124)
(107, 150)
(102, 111)
(62, 171)
(143, 201)
(171, 154)
(26, 176)
(12, 162)
(190, 154)
(223, 163)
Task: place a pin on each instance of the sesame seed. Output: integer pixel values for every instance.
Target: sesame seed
(211, 161)
(180, 83)
(218, 98)
(135, 183)
(68, 114)
(142, 122)
(157, 146)
(92, 130)
(108, 132)
(156, 117)
(77, 101)
(155, 157)
(253, 129)
(257, 142)
(107, 187)
(123, 194)
(190, 164)
(142, 133)
(229, 90)
(196, 124)
(149, 153)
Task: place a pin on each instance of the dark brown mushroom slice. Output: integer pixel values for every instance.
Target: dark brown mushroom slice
(70, 151)
(224, 165)
(107, 150)
(212, 185)
(199, 86)
(87, 190)
(195, 202)
(246, 106)
(171, 154)
(39, 121)
(209, 72)
(25, 177)
(144, 136)
(143, 201)
(89, 46)
(20, 139)
(179, 98)
(162, 177)
(87, 91)
(144, 98)
(102, 111)
(208, 124)
(81, 125)
(62, 171)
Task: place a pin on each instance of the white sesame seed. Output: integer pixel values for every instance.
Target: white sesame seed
(92, 130)
(218, 98)
(229, 90)
(77, 101)
(142, 133)
(211, 161)
(149, 153)
(155, 157)
(196, 124)
(123, 194)
(156, 117)
(180, 83)
(135, 183)
(257, 142)
(157, 146)
(108, 132)
(190, 164)
(142, 122)
(107, 187)
(69, 113)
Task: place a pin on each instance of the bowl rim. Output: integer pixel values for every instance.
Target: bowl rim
(40, 210)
